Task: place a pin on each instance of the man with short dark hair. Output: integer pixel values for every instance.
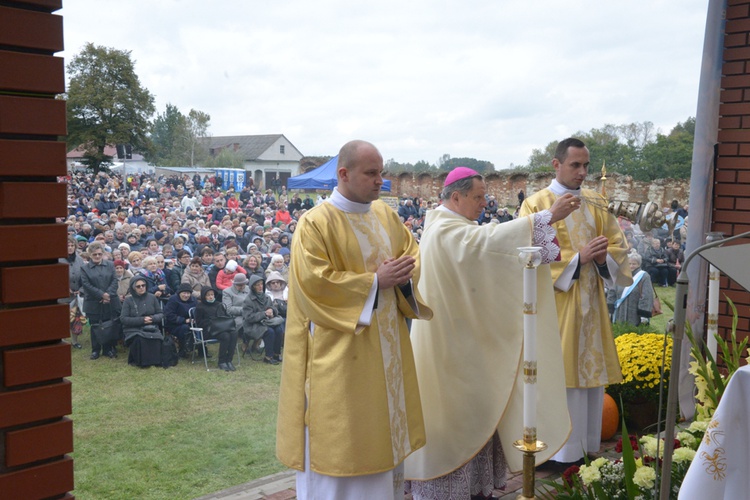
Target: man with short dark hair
(593, 253)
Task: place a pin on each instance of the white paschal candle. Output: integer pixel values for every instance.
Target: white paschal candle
(529, 356)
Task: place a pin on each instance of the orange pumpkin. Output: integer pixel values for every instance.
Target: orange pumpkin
(610, 418)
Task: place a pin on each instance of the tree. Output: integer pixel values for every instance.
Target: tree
(227, 158)
(483, 167)
(166, 134)
(106, 104)
(541, 159)
(197, 127)
(422, 166)
(179, 140)
(670, 155)
(631, 150)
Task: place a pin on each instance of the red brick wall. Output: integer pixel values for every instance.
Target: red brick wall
(35, 397)
(731, 212)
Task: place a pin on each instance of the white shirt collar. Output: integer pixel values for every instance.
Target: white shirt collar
(560, 190)
(339, 201)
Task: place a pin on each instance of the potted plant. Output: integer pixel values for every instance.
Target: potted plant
(642, 359)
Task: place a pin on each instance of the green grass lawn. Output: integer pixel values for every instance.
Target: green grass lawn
(666, 295)
(181, 432)
(167, 434)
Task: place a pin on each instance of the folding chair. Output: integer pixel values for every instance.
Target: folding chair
(198, 339)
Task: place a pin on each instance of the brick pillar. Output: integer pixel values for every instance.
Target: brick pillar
(35, 397)
(731, 198)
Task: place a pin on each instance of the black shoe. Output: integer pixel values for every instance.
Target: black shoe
(77, 346)
(112, 354)
(554, 466)
(94, 355)
(231, 366)
(224, 367)
(270, 361)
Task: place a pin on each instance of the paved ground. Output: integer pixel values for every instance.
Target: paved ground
(281, 486)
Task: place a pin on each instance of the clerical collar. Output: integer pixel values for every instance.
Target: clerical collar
(339, 201)
(560, 190)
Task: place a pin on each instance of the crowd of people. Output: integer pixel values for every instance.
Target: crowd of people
(200, 253)
(655, 258)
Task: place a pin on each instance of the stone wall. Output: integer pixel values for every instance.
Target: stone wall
(505, 187)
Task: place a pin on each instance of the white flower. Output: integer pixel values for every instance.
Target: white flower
(599, 462)
(645, 477)
(649, 446)
(589, 475)
(683, 455)
(687, 439)
(698, 426)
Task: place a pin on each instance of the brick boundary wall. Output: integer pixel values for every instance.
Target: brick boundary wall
(36, 435)
(731, 197)
(505, 186)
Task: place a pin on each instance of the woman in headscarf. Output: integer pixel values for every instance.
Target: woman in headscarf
(196, 277)
(211, 315)
(140, 317)
(261, 319)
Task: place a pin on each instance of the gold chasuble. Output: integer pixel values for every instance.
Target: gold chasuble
(469, 357)
(353, 386)
(587, 343)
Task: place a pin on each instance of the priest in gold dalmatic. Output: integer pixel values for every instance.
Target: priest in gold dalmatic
(349, 406)
(594, 252)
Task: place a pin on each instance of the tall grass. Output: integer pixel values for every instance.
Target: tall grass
(166, 434)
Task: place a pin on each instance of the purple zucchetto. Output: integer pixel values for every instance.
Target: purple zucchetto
(459, 173)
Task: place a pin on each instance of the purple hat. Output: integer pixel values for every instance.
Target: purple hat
(459, 173)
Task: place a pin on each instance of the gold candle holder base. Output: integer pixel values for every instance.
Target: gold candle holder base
(529, 465)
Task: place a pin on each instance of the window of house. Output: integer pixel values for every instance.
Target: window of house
(281, 149)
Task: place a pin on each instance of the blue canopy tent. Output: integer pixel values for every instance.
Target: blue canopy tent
(323, 177)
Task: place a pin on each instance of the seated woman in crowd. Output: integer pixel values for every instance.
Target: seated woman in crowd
(157, 281)
(632, 304)
(675, 258)
(252, 266)
(233, 299)
(655, 263)
(196, 277)
(276, 289)
(177, 314)
(261, 319)
(135, 259)
(123, 279)
(212, 316)
(277, 264)
(153, 246)
(140, 317)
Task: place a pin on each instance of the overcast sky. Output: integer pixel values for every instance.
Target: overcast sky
(489, 79)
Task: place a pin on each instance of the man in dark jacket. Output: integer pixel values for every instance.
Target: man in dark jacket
(101, 303)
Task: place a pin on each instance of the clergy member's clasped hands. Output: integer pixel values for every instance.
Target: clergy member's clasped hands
(564, 206)
(394, 272)
(595, 250)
